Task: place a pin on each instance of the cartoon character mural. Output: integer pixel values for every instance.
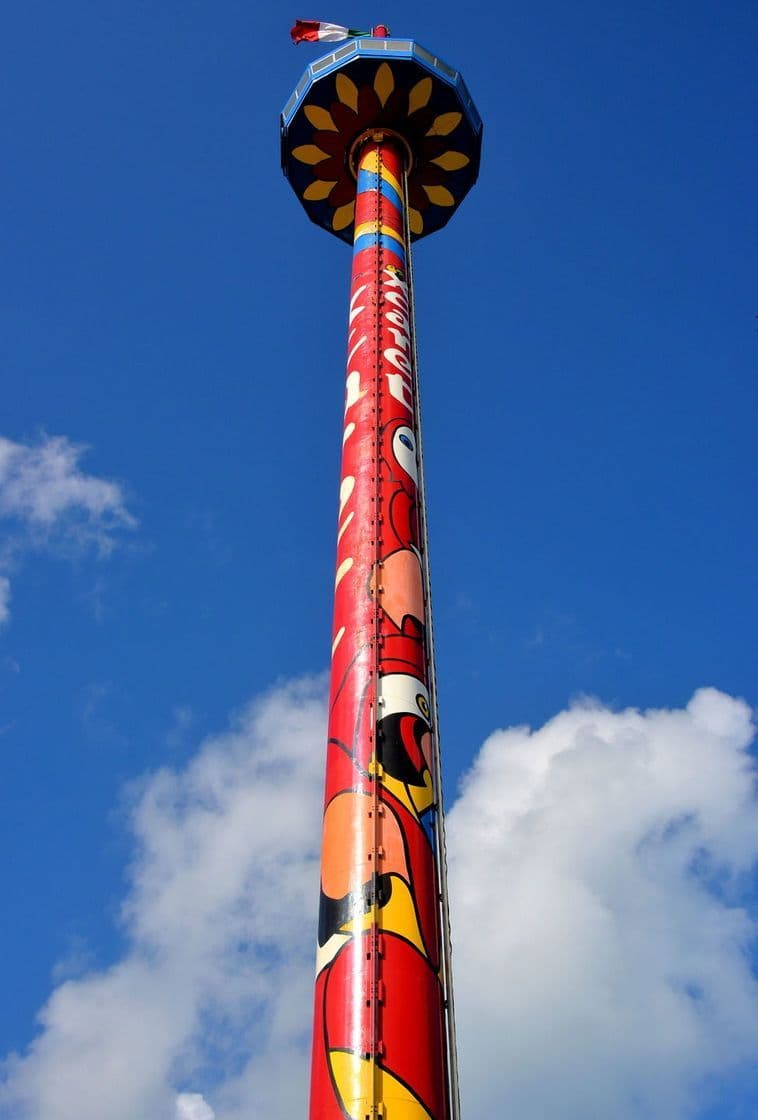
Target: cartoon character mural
(379, 1028)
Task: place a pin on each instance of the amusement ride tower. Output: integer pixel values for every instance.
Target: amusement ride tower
(380, 142)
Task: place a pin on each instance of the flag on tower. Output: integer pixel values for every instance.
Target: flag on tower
(311, 31)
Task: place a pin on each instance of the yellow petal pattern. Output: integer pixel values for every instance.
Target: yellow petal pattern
(384, 83)
(309, 153)
(320, 118)
(440, 196)
(319, 189)
(415, 220)
(343, 216)
(347, 91)
(451, 161)
(444, 124)
(419, 95)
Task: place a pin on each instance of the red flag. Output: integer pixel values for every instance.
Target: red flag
(311, 31)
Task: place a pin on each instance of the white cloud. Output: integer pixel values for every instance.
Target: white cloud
(601, 957)
(50, 504)
(192, 1106)
(220, 919)
(600, 945)
(42, 484)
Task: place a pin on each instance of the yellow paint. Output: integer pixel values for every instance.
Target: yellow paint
(423, 796)
(440, 196)
(416, 221)
(451, 161)
(343, 216)
(444, 124)
(400, 791)
(384, 83)
(309, 153)
(362, 1082)
(320, 118)
(419, 95)
(319, 189)
(370, 162)
(374, 227)
(347, 91)
(397, 916)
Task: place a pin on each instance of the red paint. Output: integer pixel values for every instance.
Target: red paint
(378, 993)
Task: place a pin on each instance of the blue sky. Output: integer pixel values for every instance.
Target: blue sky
(588, 353)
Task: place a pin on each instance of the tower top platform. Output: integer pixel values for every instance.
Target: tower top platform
(390, 86)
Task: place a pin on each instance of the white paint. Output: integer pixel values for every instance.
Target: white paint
(344, 525)
(355, 349)
(343, 569)
(405, 455)
(355, 296)
(400, 389)
(353, 391)
(346, 488)
(338, 638)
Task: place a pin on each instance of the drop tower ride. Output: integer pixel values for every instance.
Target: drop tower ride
(380, 142)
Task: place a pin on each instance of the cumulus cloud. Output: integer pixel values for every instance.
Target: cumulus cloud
(602, 955)
(601, 940)
(49, 503)
(219, 917)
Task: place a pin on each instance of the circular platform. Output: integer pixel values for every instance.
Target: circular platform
(392, 84)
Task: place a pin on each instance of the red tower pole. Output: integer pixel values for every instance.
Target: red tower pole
(381, 141)
(380, 1043)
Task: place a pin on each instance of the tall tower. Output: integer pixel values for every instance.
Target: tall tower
(380, 142)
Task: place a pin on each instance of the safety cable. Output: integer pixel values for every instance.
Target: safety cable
(439, 830)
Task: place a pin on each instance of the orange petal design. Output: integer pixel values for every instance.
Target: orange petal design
(347, 91)
(319, 189)
(309, 153)
(343, 216)
(444, 124)
(451, 161)
(419, 95)
(440, 196)
(416, 221)
(384, 83)
(320, 118)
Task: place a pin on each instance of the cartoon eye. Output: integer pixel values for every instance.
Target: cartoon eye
(402, 694)
(404, 450)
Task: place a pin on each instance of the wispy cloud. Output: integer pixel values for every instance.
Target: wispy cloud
(192, 1106)
(5, 598)
(601, 931)
(49, 504)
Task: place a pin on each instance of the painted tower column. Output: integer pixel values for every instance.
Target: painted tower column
(381, 142)
(379, 1025)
